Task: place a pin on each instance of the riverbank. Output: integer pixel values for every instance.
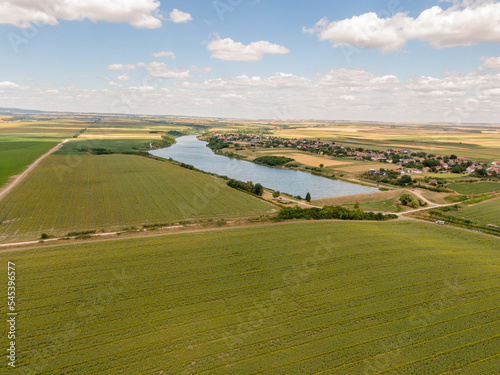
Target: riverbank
(192, 151)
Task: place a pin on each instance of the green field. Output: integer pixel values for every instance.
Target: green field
(335, 297)
(17, 153)
(22, 142)
(485, 213)
(115, 145)
(475, 188)
(75, 193)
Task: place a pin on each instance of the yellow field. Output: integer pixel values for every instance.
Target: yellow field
(314, 160)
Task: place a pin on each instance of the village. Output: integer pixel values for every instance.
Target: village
(411, 161)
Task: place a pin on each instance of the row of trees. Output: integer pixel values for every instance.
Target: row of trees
(249, 186)
(330, 212)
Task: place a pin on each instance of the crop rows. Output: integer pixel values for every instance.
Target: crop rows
(485, 213)
(384, 298)
(112, 192)
(475, 188)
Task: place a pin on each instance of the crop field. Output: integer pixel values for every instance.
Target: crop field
(17, 153)
(21, 143)
(76, 193)
(475, 188)
(487, 212)
(334, 298)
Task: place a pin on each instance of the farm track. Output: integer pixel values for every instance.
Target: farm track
(17, 179)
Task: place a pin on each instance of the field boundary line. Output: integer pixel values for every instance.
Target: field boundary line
(11, 185)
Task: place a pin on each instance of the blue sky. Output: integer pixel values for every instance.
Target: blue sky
(360, 60)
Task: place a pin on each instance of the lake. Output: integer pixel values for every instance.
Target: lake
(190, 150)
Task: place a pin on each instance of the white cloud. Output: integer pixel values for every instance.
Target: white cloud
(9, 85)
(138, 13)
(354, 94)
(160, 70)
(164, 54)
(228, 49)
(463, 24)
(124, 77)
(121, 67)
(490, 63)
(178, 16)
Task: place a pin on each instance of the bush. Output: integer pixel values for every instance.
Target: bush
(414, 203)
(406, 199)
(44, 236)
(83, 233)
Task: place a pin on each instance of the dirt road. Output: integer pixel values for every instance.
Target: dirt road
(12, 184)
(428, 208)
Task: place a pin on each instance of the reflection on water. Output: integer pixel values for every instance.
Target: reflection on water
(190, 150)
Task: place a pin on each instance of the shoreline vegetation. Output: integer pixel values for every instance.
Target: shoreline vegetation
(281, 162)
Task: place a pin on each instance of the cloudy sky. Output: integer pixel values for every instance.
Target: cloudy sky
(391, 60)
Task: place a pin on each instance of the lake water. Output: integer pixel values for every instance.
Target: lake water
(191, 150)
